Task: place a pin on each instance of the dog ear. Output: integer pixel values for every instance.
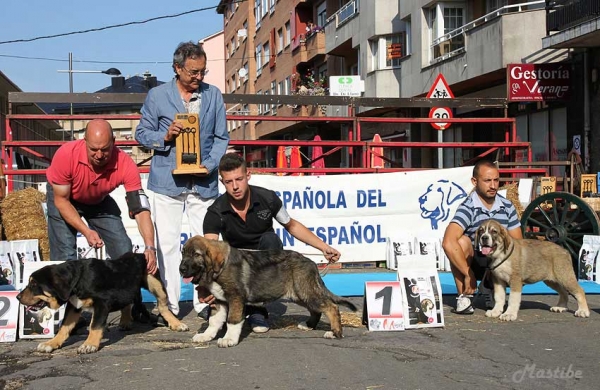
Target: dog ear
(57, 282)
(505, 237)
(215, 253)
(477, 234)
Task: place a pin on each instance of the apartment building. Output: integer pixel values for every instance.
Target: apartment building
(575, 25)
(398, 48)
(274, 47)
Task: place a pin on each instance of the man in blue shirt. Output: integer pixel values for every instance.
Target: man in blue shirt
(484, 203)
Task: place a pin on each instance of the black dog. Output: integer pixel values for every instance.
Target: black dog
(99, 286)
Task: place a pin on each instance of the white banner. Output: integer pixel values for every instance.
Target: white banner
(357, 213)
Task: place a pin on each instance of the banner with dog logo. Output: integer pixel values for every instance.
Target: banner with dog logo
(356, 213)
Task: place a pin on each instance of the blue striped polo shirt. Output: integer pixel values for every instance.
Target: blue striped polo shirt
(472, 213)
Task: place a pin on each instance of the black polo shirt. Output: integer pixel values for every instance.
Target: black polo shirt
(222, 219)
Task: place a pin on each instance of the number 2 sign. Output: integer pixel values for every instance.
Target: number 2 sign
(9, 314)
(383, 306)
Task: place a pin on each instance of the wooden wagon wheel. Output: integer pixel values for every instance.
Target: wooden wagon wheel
(562, 218)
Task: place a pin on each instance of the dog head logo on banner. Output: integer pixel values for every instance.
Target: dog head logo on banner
(435, 202)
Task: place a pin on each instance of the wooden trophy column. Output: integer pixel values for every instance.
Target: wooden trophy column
(187, 146)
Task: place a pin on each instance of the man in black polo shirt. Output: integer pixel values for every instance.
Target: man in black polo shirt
(243, 216)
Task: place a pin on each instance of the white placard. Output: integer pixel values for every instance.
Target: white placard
(9, 315)
(383, 306)
(422, 296)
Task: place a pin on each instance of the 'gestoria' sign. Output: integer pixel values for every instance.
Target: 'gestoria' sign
(538, 82)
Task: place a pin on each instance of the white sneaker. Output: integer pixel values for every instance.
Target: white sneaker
(463, 305)
(488, 296)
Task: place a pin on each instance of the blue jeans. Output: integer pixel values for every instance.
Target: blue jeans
(270, 240)
(104, 218)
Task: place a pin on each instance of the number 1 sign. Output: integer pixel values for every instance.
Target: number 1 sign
(383, 306)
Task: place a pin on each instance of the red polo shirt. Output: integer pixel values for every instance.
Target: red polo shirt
(70, 166)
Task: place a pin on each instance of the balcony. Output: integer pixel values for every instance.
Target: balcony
(563, 14)
(482, 47)
(453, 42)
(340, 28)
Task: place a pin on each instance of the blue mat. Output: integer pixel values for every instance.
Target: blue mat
(353, 284)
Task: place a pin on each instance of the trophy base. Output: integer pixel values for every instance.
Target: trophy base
(194, 170)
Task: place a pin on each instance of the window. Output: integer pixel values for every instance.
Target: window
(394, 50)
(274, 92)
(260, 106)
(267, 107)
(288, 34)
(442, 19)
(493, 5)
(272, 6)
(321, 14)
(265, 8)
(246, 29)
(227, 51)
(288, 85)
(279, 40)
(281, 89)
(267, 53)
(322, 73)
(232, 46)
(257, 12)
(259, 59)
(246, 72)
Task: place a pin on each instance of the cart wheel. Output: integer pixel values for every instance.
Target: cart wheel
(562, 218)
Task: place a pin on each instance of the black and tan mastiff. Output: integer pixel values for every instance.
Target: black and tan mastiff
(237, 277)
(518, 262)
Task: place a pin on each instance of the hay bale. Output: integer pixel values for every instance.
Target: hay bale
(23, 218)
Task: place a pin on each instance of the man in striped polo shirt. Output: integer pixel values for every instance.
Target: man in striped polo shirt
(484, 203)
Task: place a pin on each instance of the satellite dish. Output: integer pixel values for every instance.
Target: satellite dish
(242, 72)
(242, 33)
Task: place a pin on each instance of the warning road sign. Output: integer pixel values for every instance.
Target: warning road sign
(440, 90)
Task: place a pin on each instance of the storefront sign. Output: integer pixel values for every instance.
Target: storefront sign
(538, 82)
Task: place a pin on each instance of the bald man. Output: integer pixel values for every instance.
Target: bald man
(80, 178)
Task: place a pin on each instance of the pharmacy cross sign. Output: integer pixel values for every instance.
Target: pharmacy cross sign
(440, 90)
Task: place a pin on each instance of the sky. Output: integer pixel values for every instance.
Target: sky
(33, 66)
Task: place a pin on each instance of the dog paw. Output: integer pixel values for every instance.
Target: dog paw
(508, 317)
(304, 326)
(201, 338)
(558, 309)
(87, 348)
(329, 335)
(493, 313)
(181, 327)
(226, 342)
(46, 347)
(582, 313)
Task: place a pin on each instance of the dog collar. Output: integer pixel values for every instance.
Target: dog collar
(506, 258)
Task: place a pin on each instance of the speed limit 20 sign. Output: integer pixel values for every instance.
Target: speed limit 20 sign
(440, 113)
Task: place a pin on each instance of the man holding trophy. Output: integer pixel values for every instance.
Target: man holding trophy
(183, 121)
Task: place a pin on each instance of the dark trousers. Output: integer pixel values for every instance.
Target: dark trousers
(270, 240)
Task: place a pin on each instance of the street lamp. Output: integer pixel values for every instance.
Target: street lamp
(70, 71)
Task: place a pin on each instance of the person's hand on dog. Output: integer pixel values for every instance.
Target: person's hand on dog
(93, 239)
(204, 296)
(332, 255)
(150, 255)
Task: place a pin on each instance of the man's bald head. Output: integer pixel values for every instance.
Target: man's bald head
(99, 141)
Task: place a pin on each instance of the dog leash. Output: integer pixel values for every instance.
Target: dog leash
(89, 250)
(506, 258)
(322, 272)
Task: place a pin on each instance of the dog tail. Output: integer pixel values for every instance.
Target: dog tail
(344, 302)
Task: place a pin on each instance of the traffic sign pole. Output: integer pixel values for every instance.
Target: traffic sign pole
(440, 90)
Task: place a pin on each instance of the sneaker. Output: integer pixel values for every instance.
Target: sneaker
(204, 313)
(258, 323)
(488, 295)
(463, 305)
(160, 322)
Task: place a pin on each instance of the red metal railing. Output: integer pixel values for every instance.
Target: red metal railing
(365, 147)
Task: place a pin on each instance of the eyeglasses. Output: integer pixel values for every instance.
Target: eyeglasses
(195, 73)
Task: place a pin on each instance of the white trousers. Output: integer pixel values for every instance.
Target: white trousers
(168, 214)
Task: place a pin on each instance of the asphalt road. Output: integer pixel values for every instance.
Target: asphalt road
(541, 350)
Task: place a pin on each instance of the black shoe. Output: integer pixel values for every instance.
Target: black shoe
(160, 322)
(140, 314)
(204, 313)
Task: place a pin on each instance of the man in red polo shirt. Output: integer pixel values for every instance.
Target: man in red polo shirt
(80, 178)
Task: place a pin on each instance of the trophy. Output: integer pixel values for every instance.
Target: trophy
(187, 146)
